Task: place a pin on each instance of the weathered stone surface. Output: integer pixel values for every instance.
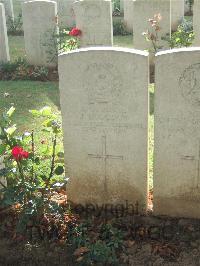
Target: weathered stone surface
(128, 14)
(66, 13)
(9, 11)
(196, 22)
(94, 19)
(105, 112)
(39, 20)
(177, 13)
(177, 127)
(4, 49)
(143, 10)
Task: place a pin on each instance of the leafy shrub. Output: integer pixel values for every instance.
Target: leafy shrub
(59, 41)
(32, 169)
(119, 28)
(15, 26)
(21, 70)
(183, 37)
(102, 249)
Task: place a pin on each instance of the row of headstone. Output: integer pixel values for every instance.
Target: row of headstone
(105, 109)
(4, 49)
(94, 18)
(196, 22)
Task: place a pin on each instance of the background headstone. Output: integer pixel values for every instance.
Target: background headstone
(177, 13)
(104, 107)
(9, 11)
(39, 22)
(66, 13)
(177, 133)
(128, 14)
(4, 49)
(94, 19)
(143, 10)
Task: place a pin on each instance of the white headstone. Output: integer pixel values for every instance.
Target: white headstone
(94, 19)
(9, 11)
(104, 107)
(128, 14)
(177, 13)
(196, 22)
(40, 24)
(66, 13)
(177, 133)
(143, 10)
(4, 49)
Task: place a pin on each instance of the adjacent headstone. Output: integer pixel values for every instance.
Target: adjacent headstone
(177, 13)
(40, 24)
(94, 19)
(4, 49)
(66, 13)
(177, 133)
(196, 22)
(128, 14)
(143, 10)
(9, 11)
(104, 107)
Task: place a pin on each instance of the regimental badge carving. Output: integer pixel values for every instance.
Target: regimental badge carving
(189, 83)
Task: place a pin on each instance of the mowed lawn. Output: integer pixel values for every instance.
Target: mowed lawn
(26, 95)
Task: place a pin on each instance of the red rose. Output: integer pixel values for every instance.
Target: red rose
(25, 154)
(75, 32)
(18, 153)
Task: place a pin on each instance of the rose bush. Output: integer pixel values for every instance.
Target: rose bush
(34, 168)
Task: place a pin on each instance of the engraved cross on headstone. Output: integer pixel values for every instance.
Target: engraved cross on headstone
(105, 157)
(196, 159)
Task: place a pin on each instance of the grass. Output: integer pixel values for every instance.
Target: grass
(26, 95)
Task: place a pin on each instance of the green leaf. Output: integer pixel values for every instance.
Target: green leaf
(11, 130)
(46, 111)
(59, 170)
(35, 113)
(2, 148)
(10, 111)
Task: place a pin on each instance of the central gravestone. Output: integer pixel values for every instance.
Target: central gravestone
(105, 112)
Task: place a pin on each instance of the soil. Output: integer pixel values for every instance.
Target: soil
(148, 241)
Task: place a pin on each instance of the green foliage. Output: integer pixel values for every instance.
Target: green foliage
(14, 26)
(119, 28)
(183, 37)
(102, 249)
(59, 41)
(21, 70)
(33, 176)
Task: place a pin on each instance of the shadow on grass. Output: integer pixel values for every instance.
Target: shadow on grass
(27, 95)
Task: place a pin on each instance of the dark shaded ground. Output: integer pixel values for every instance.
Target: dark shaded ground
(147, 241)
